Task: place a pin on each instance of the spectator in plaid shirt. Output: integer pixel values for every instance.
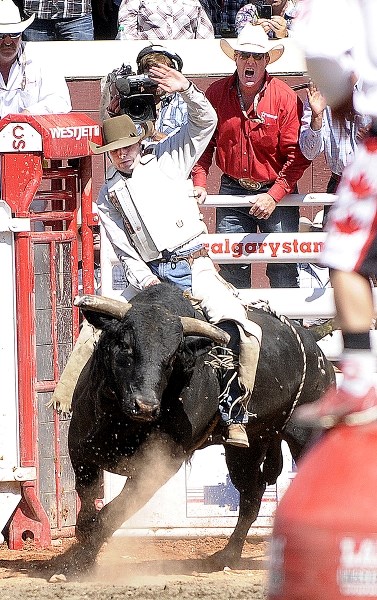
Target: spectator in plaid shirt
(163, 20)
(283, 14)
(63, 20)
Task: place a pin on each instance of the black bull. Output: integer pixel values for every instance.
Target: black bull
(148, 398)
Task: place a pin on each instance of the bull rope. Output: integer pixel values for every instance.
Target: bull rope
(223, 358)
(265, 305)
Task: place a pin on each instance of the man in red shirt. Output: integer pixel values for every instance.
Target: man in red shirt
(256, 147)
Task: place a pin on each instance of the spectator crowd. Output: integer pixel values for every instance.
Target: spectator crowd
(82, 20)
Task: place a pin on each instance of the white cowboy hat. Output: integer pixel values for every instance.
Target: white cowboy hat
(10, 18)
(253, 38)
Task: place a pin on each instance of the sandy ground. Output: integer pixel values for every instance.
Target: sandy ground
(144, 568)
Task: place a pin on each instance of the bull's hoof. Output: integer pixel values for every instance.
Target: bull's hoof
(75, 563)
(225, 558)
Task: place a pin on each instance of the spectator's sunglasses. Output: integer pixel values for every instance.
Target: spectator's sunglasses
(13, 36)
(246, 55)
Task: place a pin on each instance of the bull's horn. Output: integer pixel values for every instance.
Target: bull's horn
(196, 327)
(104, 305)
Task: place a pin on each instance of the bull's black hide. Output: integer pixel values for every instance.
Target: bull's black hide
(148, 397)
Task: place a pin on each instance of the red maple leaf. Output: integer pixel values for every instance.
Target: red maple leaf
(348, 225)
(360, 187)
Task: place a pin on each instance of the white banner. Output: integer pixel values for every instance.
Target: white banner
(262, 247)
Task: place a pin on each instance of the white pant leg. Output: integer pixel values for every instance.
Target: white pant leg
(220, 303)
(218, 298)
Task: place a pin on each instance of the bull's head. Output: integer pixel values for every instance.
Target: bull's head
(139, 348)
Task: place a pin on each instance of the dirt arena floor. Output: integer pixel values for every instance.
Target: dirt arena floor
(141, 568)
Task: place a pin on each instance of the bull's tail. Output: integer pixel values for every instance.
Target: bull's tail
(320, 331)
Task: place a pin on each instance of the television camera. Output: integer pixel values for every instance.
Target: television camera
(136, 94)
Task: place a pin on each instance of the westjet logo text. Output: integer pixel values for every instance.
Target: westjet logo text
(77, 133)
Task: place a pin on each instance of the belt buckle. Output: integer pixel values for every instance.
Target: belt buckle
(248, 184)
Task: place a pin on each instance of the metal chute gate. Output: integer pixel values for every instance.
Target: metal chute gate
(46, 177)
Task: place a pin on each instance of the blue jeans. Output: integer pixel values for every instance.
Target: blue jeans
(51, 30)
(176, 272)
(284, 219)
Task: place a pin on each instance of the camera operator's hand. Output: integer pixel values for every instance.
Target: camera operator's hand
(114, 105)
(168, 79)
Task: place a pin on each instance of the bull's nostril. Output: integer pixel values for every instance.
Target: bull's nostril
(146, 407)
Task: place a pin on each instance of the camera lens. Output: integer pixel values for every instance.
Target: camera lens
(140, 107)
(137, 107)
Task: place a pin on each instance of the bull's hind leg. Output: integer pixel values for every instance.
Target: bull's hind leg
(299, 439)
(244, 465)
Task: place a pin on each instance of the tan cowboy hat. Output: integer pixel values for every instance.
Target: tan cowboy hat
(253, 38)
(120, 132)
(10, 18)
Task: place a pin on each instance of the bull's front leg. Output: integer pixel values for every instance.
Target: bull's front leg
(78, 558)
(88, 488)
(86, 517)
(149, 469)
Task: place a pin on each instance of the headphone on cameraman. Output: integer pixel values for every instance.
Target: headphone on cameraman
(157, 49)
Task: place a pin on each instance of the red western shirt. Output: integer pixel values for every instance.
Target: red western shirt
(243, 148)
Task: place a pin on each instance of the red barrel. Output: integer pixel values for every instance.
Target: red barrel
(324, 541)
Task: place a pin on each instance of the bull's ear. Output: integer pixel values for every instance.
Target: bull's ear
(99, 320)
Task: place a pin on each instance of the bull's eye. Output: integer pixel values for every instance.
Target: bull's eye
(123, 353)
(126, 350)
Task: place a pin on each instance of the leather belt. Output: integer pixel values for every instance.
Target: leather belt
(250, 184)
(174, 258)
(197, 254)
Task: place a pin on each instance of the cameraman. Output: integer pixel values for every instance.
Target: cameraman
(171, 109)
